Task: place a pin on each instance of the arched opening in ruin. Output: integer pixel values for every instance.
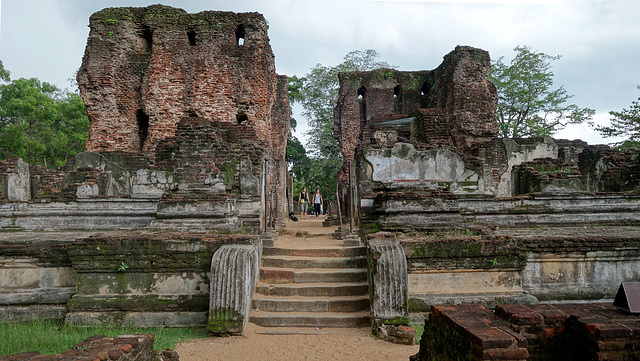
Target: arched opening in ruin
(191, 35)
(147, 35)
(240, 34)
(142, 119)
(397, 91)
(397, 99)
(426, 87)
(361, 92)
(241, 117)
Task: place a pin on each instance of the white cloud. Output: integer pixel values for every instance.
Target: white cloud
(587, 133)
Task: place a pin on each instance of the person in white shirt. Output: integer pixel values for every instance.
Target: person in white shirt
(317, 202)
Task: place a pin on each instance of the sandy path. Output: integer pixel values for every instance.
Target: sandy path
(333, 344)
(324, 344)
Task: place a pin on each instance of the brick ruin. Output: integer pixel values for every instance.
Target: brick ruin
(185, 156)
(588, 331)
(184, 181)
(470, 216)
(144, 69)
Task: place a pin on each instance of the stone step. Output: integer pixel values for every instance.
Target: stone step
(313, 289)
(312, 275)
(299, 262)
(309, 319)
(316, 252)
(308, 304)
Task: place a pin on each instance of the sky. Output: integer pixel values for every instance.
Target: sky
(599, 40)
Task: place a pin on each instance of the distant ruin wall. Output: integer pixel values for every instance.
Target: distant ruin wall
(461, 87)
(146, 68)
(458, 91)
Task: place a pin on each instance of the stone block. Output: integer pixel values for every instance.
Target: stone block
(87, 191)
(18, 184)
(234, 275)
(389, 279)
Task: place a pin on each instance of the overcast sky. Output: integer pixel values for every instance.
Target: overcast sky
(599, 40)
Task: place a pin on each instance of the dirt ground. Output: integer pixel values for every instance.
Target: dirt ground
(259, 343)
(328, 344)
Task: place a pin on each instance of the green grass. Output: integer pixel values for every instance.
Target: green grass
(419, 327)
(49, 337)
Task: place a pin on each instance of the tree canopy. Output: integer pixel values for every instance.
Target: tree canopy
(39, 122)
(625, 123)
(528, 106)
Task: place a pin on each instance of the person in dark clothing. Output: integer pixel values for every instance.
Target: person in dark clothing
(303, 200)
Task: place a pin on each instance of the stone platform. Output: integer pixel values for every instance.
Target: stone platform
(577, 331)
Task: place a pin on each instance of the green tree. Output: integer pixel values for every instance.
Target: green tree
(294, 88)
(527, 104)
(39, 122)
(4, 74)
(625, 123)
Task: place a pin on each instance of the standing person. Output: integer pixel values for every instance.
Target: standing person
(317, 201)
(303, 201)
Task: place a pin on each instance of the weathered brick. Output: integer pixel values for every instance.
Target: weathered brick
(609, 330)
(490, 337)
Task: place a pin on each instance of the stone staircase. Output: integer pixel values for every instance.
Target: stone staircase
(312, 288)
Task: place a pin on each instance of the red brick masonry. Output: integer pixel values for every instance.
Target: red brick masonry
(584, 331)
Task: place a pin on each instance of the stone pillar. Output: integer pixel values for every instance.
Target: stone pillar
(18, 183)
(389, 287)
(234, 275)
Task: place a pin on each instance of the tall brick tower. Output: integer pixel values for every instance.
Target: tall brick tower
(144, 69)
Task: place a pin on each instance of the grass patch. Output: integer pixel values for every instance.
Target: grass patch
(50, 337)
(419, 327)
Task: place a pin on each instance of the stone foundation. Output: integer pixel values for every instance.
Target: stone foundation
(138, 278)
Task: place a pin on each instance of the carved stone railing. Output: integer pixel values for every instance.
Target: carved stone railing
(234, 275)
(388, 285)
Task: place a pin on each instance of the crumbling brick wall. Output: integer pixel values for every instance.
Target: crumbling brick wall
(453, 106)
(153, 78)
(146, 68)
(529, 332)
(203, 149)
(280, 124)
(548, 175)
(610, 170)
(459, 89)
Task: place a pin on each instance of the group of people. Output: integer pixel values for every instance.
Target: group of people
(303, 201)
